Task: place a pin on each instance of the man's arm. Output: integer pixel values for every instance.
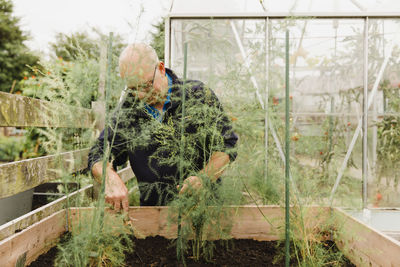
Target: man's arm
(116, 192)
(216, 165)
(214, 169)
(223, 153)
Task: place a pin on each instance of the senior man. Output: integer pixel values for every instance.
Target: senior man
(146, 129)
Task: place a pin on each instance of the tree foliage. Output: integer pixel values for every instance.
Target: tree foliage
(70, 46)
(158, 38)
(15, 57)
(74, 46)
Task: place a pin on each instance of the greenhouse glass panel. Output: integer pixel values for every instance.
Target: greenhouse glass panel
(326, 82)
(215, 53)
(243, 61)
(229, 56)
(326, 62)
(384, 113)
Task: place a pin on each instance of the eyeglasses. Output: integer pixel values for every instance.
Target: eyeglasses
(146, 86)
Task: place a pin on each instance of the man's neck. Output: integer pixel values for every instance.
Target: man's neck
(159, 106)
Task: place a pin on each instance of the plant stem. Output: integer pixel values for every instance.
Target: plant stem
(105, 146)
(179, 247)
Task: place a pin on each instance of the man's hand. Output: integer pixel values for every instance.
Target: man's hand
(116, 192)
(215, 167)
(192, 182)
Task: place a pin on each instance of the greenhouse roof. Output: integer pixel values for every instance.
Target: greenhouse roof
(284, 8)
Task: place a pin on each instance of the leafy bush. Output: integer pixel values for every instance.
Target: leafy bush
(11, 148)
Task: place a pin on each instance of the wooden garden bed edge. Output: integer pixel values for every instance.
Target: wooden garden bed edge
(359, 242)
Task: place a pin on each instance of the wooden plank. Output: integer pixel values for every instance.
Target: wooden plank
(98, 108)
(250, 223)
(393, 234)
(264, 223)
(34, 216)
(363, 245)
(151, 221)
(103, 71)
(126, 174)
(22, 175)
(22, 111)
(33, 241)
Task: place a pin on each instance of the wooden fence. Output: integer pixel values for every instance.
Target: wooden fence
(22, 111)
(19, 176)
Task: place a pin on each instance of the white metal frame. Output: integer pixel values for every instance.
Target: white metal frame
(282, 15)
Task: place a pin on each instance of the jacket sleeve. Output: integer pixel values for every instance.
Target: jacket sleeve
(219, 117)
(115, 141)
(224, 123)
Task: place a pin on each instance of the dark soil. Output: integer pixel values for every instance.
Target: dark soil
(46, 259)
(158, 251)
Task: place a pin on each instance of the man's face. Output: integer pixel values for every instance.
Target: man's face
(148, 86)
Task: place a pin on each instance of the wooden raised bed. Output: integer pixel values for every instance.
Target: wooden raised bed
(361, 244)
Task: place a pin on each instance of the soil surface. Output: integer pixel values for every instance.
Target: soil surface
(158, 251)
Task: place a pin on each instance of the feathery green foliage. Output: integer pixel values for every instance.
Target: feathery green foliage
(90, 245)
(93, 242)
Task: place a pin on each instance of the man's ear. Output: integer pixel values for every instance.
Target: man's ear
(161, 67)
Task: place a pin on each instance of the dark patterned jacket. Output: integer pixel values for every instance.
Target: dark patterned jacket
(155, 149)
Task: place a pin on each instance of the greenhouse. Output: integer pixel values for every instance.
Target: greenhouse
(334, 62)
(311, 89)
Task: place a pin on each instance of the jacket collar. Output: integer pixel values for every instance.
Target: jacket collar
(175, 90)
(175, 95)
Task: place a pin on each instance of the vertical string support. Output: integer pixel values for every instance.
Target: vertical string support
(287, 158)
(179, 251)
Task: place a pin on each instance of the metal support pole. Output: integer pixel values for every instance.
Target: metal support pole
(287, 161)
(266, 98)
(365, 120)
